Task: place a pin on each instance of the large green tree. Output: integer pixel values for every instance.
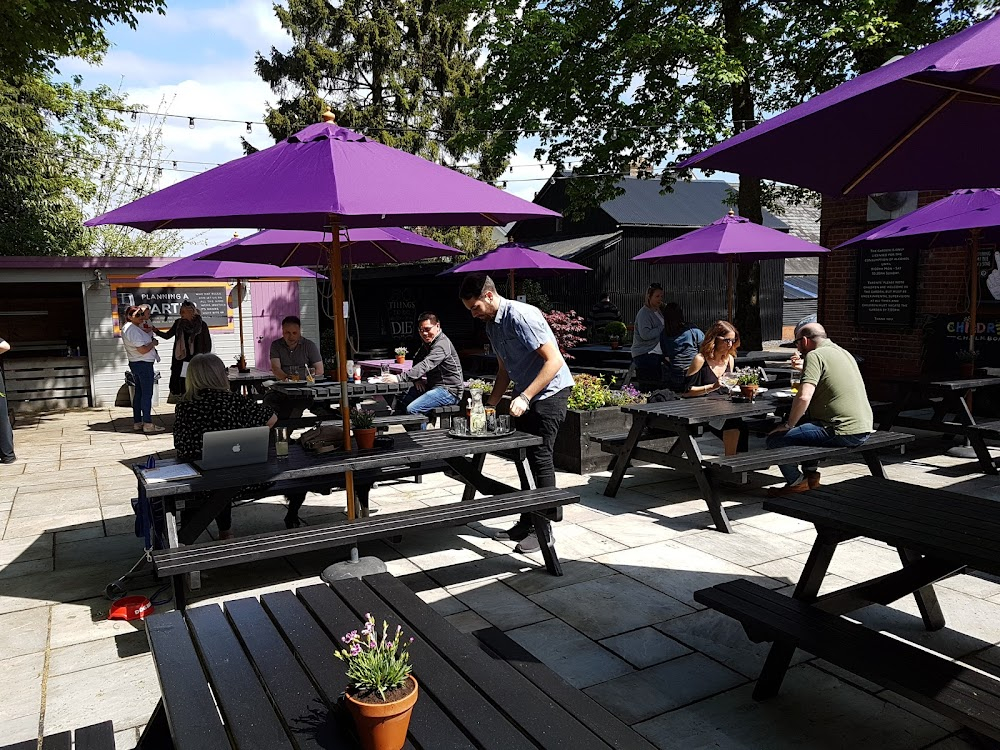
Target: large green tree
(610, 83)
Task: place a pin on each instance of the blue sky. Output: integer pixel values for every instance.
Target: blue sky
(198, 58)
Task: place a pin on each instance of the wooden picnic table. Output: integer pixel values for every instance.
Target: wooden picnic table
(687, 419)
(375, 365)
(750, 359)
(948, 398)
(250, 383)
(262, 674)
(326, 394)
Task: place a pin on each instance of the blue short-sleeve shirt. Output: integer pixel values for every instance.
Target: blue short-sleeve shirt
(516, 335)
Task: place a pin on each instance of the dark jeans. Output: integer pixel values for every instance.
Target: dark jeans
(6, 433)
(284, 405)
(810, 433)
(142, 403)
(649, 367)
(177, 383)
(544, 418)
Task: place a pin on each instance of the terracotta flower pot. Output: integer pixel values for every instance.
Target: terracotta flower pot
(616, 344)
(400, 359)
(749, 392)
(365, 438)
(382, 726)
(967, 369)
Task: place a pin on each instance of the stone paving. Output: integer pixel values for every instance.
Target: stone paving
(621, 624)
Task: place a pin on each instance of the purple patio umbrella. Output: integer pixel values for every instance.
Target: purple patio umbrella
(914, 124)
(324, 178)
(514, 256)
(290, 247)
(730, 239)
(202, 266)
(965, 215)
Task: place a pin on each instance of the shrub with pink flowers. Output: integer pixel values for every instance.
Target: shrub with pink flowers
(566, 327)
(375, 664)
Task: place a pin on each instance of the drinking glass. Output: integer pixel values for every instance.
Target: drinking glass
(460, 426)
(796, 379)
(504, 424)
(281, 442)
(384, 367)
(293, 374)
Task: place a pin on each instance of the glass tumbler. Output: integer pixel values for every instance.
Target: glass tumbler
(460, 425)
(504, 424)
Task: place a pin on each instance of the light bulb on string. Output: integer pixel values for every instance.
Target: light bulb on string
(135, 115)
(249, 128)
(191, 123)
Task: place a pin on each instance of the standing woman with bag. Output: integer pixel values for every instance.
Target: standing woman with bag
(140, 347)
(191, 337)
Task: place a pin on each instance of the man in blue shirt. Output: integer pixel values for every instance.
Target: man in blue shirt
(528, 355)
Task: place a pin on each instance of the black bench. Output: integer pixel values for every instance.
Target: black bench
(176, 562)
(444, 412)
(613, 443)
(951, 689)
(94, 737)
(738, 468)
(382, 423)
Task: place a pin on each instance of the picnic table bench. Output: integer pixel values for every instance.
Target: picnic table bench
(94, 737)
(262, 674)
(937, 534)
(947, 398)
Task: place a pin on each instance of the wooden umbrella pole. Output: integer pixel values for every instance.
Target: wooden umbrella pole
(510, 276)
(729, 287)
(340, 330)
(974, 292)
(241, 295)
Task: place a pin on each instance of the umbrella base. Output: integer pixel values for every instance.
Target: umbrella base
(364, 566)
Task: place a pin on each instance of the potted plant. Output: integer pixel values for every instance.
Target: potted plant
(749, 382)
(381, 691)
(400, 354)
(363, 423)
(967, 362)
(615, 331)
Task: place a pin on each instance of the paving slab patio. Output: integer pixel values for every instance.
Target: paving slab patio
(620, 623)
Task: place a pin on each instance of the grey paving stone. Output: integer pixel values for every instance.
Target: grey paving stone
(609, 605)
(645, 647)
(859, 561)
(74, 699)
(499, 605)
(26, 568)
(36, 525)
(21, 677)
(467, 621)
(20, 729)
(24, 632)
(647, 693)
(533, 581)
(87, 551)
(748, 547)
(568, 653)
(126, 739)
(813, 710)
(25, 548)
(96, 653)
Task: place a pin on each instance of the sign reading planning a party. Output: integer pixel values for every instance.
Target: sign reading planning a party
(164, 300)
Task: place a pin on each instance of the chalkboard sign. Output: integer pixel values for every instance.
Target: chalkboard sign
(165, 300)
(887, 287)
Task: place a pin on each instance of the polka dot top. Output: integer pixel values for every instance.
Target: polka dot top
(210, 411)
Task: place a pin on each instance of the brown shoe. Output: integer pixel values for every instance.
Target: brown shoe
(812, 479)
(789, 489)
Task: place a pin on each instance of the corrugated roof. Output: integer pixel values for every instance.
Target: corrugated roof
(691, 204)
(568, 248)
(802, 221)
(801, 287)
(802, 266)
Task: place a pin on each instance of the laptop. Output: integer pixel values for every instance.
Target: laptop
(224, 448)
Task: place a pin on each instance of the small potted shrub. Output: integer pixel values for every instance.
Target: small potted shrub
(363, 425)
(615, 331)
(967, 362)
(400, 354)
(749, 382)
(381, 691)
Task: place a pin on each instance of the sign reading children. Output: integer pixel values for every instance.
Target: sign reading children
(165, 300)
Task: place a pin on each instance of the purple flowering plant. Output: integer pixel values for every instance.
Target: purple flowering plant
(375, 663)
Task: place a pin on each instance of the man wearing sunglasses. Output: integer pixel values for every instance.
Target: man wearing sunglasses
(833, 392)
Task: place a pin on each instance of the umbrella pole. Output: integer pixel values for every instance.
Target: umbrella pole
(974, 292)
(340, 330)
(729, 287)
(243, 356)
(510, 277)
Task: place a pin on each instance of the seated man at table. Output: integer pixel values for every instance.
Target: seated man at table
(291, 351)
(833, 392)
(436, 375)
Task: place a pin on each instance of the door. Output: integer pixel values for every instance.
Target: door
(271, 301)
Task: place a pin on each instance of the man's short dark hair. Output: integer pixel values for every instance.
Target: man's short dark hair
(291, 319)
(475, 285)
(427, 316)
(604, 295)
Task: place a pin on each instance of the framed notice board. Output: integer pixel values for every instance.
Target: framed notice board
(165, 298)
(887, 287)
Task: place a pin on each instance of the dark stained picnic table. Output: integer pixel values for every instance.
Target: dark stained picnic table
(327, 393)
(948, 398)
(687, 419)
(250, 383)
(262, 674)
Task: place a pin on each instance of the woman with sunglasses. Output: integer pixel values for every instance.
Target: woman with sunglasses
(716, 358)
(140, 348)
(647, 354)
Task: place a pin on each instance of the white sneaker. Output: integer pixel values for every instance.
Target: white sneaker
(150, 427)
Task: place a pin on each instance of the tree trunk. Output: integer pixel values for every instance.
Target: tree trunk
(747, 309)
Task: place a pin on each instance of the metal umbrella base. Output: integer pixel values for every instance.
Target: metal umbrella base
(354, 567)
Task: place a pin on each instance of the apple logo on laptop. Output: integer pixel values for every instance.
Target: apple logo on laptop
(237, 448)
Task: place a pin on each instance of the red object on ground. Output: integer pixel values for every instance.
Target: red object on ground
(130, 608)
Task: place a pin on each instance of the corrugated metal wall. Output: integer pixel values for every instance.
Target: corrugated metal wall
(797, 309)
(699, 288)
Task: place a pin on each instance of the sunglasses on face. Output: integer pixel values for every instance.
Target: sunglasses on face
(724, 340)
(800, 339)
(427, 330)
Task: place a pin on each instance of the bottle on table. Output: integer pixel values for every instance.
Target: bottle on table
(357, 373)
(477, 415)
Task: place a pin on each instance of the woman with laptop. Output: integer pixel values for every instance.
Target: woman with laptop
(210, 406)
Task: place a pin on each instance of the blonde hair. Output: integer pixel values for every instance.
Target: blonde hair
(205, 372)
(719, 329)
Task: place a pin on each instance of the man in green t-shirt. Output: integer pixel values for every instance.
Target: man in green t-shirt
(833, 392)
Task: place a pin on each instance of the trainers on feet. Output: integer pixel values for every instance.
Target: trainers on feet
(8, 459)
(150, 427)
(137, 426)
(528, 545)
(515, 533)
(789, 489)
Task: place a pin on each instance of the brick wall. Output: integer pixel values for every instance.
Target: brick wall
(942, 289)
